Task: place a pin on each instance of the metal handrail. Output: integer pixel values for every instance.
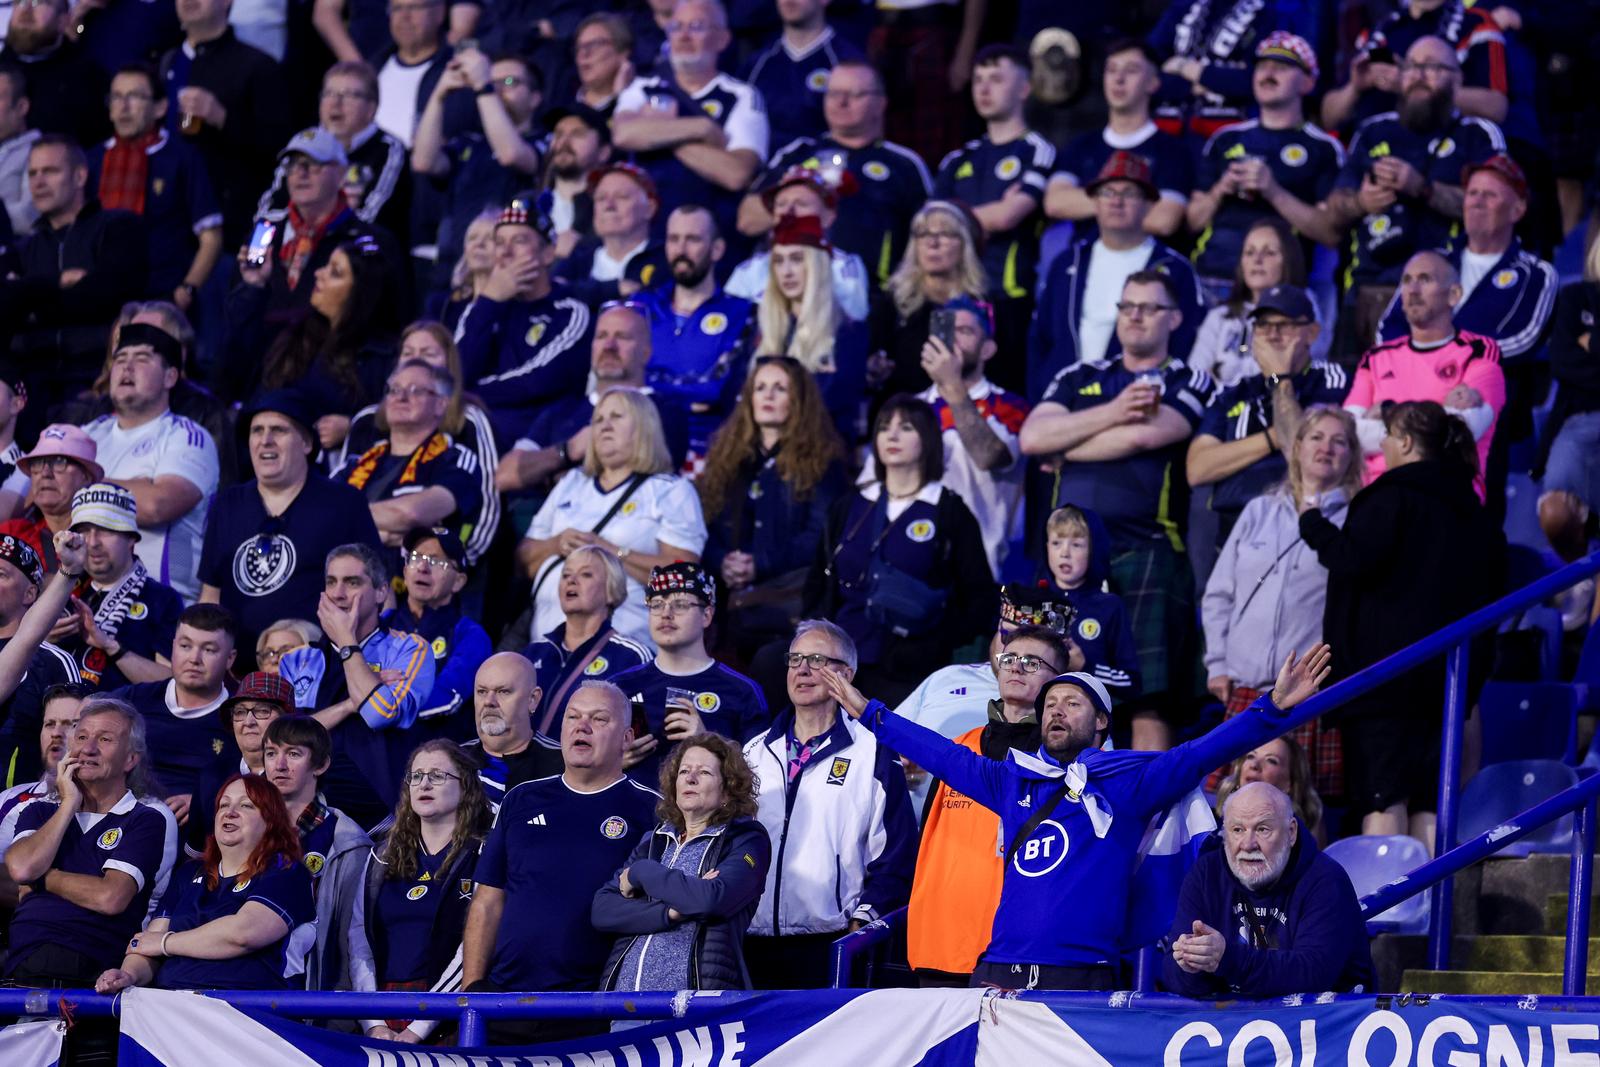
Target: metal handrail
(1452, 640)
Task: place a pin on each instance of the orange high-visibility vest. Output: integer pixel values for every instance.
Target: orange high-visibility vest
(957, 884)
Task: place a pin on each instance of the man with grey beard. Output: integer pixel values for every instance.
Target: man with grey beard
(1264, 913)
(508, 752)
(1400, 189)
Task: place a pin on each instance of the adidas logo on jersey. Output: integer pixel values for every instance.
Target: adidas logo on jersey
(537, 820)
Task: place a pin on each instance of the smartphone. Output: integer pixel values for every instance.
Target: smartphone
(942, 324)
(1381, 54)
(260, 247)
(641, 721)
(466, 44)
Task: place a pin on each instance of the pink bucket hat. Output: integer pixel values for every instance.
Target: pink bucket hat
(65, 439)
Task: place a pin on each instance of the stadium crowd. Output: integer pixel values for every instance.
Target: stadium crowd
(541, 495)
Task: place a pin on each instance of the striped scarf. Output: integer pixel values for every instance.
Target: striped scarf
(431, 449)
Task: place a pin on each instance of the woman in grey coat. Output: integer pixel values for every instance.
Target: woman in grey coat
(1266, 593)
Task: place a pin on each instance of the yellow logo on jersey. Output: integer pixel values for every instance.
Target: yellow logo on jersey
(1294, 155)
(1505, 279)
(1237, 410)
(597, 666)
(439, 647)
(137, 610)
(875, 170)
(921, 531)
(416, 892)
(1089, 629)
(1380, 149)
(535, 332)
(647, 275)
(712, 108)
(1236, 152)
(630, 507)
(707, 701)
(817, 80)
(1092, 389)
(1008, 168)
(314, 862)
(109, 839)
(964, 171)
(713, 324)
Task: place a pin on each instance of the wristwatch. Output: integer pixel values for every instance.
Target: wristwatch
(1275, 380)
(346, 651)
(486, 89)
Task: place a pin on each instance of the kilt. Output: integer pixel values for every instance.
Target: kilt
(1323, 746)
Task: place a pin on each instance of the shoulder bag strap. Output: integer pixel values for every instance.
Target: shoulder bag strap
(633, 487)
(1042, 813)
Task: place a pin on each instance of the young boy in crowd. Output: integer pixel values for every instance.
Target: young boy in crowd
(1078, 554)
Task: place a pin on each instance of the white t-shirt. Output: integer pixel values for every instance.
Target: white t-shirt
(664, 510)
(398, 107)
(746, 125)
(1474, 267)
(606, 269)
(170, 444)
(1108, 270)
(950, 701)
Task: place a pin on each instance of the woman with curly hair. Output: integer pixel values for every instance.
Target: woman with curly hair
(682, 903)
(799, 316)
(772, 472)
(227, 919)
(943, 261)
(339, 351)
(406, 935)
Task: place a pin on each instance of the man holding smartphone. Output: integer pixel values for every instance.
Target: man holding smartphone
(683, 691)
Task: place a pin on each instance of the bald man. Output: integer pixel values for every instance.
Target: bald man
(1264, 913)
(1435, 361)
(1400, 188)
(504, 694)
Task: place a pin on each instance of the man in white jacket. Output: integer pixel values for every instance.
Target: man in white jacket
(835, 804)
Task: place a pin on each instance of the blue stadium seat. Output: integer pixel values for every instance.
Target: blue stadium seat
(1501, 791)
(1529, 721)
(1373, 861)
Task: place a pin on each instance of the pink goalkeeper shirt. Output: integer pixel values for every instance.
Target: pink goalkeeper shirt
(1398, 371)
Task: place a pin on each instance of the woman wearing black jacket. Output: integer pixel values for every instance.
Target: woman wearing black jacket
(1417, 552)
(1572, 435)
(903, 568)
(681, 905)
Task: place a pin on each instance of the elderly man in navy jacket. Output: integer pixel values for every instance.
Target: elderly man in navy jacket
(1266, 914)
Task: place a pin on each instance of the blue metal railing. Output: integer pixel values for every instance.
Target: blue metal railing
(1451, 641)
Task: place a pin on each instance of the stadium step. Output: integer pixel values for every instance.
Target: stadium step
(1555, 912)
(1483, 983)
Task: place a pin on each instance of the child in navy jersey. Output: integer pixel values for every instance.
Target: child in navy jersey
(1098, 632)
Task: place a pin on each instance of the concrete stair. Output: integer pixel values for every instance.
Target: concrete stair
(1510, 920)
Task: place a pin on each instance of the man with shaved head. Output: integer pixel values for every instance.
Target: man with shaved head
(1400, 187)
(1435, 361)
(504, 694)
(1264, 913)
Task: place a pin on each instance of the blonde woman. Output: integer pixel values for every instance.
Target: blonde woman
(941, 262)
(471, 270)
(799, 316)
(624, 498)
(1266, 593)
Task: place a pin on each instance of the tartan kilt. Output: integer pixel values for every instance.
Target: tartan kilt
(1323, 746)
(1157, 587)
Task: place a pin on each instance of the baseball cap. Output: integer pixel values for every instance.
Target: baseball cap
(65, 439)
(1290, 300)
(1504, 167)
(108, 506)
(263, 687)
(682, 577)
(315, 143)
(1125, 166)
(1286, 47)
(584, 113)
(449, 543)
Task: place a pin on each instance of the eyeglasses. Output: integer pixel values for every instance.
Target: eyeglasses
(273, 655)
(1107, 192)
(259, 712)
(511, 81)
(304, 165)
(431, 777)
(412, 9)
(410, 392)
(128, 98)
(1279, 327)
(432, 563)
(924, 233)
(341, 95)
(1137, 311)
(693, 26)
(1024, 662)
(52, 463)
(584, 48)
(814, 660)
(675, 606)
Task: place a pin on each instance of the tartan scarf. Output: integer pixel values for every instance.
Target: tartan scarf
(302, 238)
(431, 449)
(125, 173)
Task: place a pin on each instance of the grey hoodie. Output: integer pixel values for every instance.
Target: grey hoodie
(338, 891)
(1266, 593)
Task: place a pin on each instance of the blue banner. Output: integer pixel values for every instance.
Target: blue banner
(907, 1028)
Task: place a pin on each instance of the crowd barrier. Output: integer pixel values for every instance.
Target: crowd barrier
(840, 1028)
